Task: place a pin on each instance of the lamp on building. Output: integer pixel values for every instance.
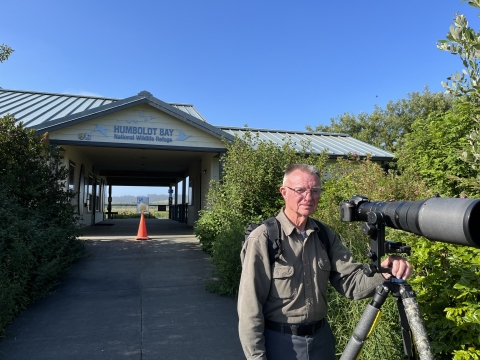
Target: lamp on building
(204, 171)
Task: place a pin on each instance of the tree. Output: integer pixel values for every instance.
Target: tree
(464, 41)
(386, 128)
(431, 150)
(5, 52)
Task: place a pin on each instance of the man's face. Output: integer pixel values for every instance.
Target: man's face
(303, 199)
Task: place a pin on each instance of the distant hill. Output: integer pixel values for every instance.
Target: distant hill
(126, 199)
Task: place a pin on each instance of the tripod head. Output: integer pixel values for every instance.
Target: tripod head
(375, 227)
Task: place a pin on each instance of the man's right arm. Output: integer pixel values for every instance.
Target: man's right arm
(252, 294)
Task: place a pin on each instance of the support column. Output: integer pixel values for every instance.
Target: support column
(175, 199)
(183, 217)
(109, 206)
(170, 203)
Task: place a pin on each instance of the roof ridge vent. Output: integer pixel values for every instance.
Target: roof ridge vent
(145, 93)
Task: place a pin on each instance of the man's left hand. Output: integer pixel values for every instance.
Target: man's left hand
(399, 266)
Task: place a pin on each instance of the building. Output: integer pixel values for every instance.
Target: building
(143, 141)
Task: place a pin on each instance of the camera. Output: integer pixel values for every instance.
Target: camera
(450, 220)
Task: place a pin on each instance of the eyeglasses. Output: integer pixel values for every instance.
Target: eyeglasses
(302, 192)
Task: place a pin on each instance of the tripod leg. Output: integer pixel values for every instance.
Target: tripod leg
(362, 330)
(366, 324)
(418, 328)
(406, 332)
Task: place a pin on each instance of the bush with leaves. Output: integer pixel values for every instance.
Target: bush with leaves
(226, 249)
(433, 149)
(447, 286)
(38, 238)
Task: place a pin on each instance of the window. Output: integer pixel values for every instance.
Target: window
(71, 181)
(85, 192)
(190, 192)
(102, 196)
(97, 196)
(71, 176)
(90, 200)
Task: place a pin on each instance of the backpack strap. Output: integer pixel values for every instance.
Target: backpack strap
(274, 239)
(322, 234)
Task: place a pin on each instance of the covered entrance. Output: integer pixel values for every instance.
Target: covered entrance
(186, 174)
(137, 141)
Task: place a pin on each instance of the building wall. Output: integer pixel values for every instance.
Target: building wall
(86, 167)
(139, 125)
(195, 178)
(200, 174)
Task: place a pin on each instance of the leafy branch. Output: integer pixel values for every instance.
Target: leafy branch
(5, 52)
(464, 41)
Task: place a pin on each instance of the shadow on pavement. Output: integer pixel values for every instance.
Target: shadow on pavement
(130, 299)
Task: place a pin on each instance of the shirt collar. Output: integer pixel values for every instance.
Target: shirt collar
(288, 227)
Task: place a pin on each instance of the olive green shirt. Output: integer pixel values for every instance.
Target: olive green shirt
(293, 289)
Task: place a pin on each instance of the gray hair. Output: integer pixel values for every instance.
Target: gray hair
(311, 169)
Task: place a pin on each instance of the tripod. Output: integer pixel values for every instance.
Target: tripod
(410, 318)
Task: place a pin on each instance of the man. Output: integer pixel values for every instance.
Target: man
(282, 306)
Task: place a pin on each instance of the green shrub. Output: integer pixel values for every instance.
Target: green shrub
(126, 214)
(447, 286)
(433, 150)
(38, 238)
(225, 251)
(213, 218)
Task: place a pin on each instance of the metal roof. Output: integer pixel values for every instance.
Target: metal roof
(335, 144)
(189, 109)
(41, 110)
(35, 108)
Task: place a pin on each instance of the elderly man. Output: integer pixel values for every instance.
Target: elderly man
(282, 306)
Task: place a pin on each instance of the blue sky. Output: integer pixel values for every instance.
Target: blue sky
(266, 64)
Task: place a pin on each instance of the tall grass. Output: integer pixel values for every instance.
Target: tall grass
(129, 211)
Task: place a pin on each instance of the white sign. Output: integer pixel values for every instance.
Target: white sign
(142, 205)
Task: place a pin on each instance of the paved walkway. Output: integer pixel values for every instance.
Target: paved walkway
(130, 299)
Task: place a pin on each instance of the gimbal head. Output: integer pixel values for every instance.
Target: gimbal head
(375, 227)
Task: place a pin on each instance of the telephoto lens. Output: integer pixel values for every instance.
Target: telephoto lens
(450, 220)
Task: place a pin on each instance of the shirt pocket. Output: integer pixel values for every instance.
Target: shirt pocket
(282, 282)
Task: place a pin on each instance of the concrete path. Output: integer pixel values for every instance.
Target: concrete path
(130, 299)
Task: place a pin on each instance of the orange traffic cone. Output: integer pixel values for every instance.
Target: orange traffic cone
(142, 230)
